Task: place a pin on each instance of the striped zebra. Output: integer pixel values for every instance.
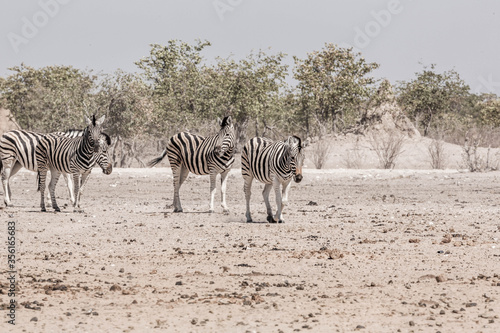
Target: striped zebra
(17, 150)
(75, 156)
(202, 156)
(274, 164)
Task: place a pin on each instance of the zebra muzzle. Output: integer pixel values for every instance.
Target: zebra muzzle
(108, 170)
(298, 178)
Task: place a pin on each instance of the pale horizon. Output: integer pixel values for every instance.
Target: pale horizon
(401, 36)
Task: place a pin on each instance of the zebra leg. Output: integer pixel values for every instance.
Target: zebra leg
(7, 171)
(54, 177)
(247, 188)
(223, 183)
(213, 179)
(42, 176)
(284, 199)
(84, 179)
(265, 194)
(76, 189)
(180, 174)
(69, 183)
(279, 206)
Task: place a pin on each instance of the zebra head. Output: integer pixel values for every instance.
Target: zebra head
(103, 159)
(296, 156)
(93, 131)
(226, 137)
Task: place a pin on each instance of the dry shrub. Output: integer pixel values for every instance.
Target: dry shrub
(472, 159)
(321, 149)
(353, 159)
(320, 153)
(387, 147)
(437, 154)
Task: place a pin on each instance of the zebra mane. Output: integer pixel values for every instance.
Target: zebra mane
(225, 121)
(300, 142)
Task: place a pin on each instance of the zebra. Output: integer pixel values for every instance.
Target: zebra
(274, 164)
(75, 156)
(17, 150)
(202, 156)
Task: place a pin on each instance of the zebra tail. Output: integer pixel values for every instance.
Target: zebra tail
(157, 160)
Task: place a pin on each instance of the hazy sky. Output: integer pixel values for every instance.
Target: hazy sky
(108, 34)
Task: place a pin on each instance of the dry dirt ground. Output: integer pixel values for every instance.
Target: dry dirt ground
(361, 250)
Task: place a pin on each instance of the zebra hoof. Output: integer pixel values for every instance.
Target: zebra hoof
(270, 219)
(43, 210)
(177, 210)
(211, 211)
(281, 221)
(57, 209)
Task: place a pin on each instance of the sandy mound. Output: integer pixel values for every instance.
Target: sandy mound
(7, 121)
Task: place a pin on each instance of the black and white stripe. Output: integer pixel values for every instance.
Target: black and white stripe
(202, 156)
(75, 156)
(17, 150)
(274, 164)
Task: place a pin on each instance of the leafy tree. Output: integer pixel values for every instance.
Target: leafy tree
(174, 72)
(332, 83)
(489, 110)
(48, 99)
(126, 100)
(432, 95)
(250, 89)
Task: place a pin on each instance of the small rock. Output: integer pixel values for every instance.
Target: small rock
(115, 287)
(121, 270)
(312, 203)
(412, 323)
(470, 304)
(34, 319)
(440, 278)
(178, 283)
(359, 327)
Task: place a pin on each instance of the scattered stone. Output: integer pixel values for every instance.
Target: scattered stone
(115, 287)
(34, 319)
(411, 323)
(312, 203)
(178, 283)
(470, 304)
(440, 278)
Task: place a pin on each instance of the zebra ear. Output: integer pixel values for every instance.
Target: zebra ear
(306, 143)
(219, 121)
(88, 121)
(294, 141)
(100, 121)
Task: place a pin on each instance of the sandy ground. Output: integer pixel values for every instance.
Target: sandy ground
(361, 250)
